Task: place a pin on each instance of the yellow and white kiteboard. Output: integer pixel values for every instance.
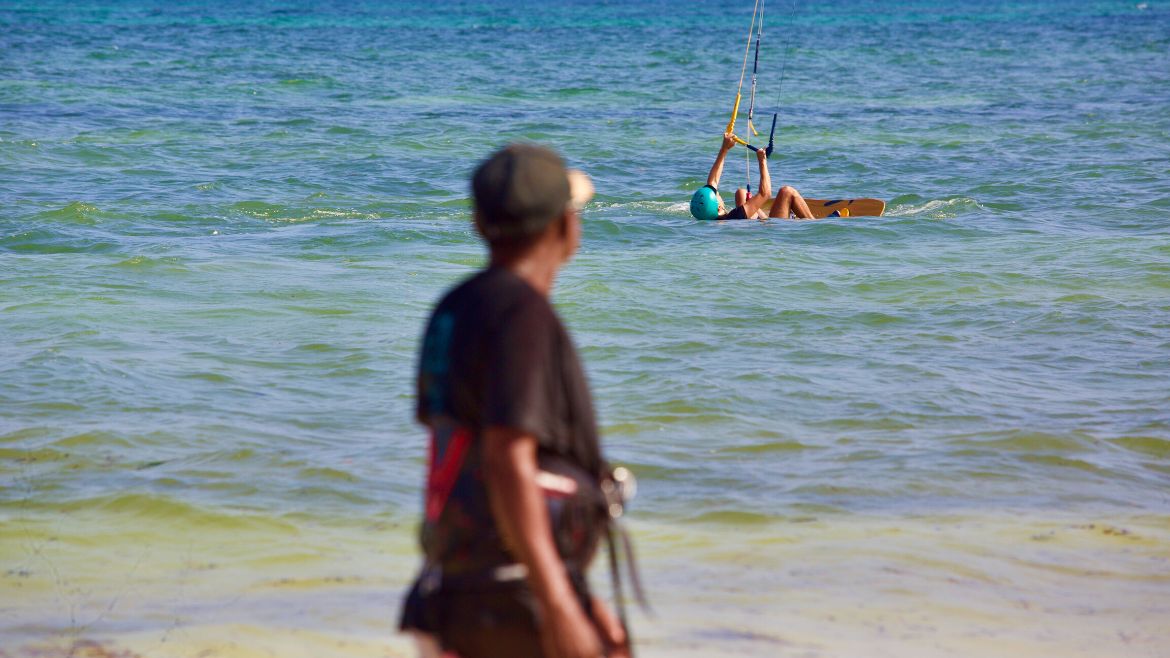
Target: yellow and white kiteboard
(822, 208)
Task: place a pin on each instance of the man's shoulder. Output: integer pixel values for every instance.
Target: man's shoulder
(494, 292)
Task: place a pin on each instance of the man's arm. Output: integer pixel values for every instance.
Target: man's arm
(717, 168)
(519, 511)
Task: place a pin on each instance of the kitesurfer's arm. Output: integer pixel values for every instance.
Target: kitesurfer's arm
(717, 168)
(518, 509)
(753, 205)
(765, 189)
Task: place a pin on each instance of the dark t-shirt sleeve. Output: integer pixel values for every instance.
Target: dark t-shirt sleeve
(520, 359)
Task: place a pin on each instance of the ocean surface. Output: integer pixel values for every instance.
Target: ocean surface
(942, 432)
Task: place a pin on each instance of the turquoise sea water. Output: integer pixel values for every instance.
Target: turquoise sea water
(942, 431)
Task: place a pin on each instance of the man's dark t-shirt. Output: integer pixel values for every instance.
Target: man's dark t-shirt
(494, 354)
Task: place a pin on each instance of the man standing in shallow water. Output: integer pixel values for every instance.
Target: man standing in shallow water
(500, 383)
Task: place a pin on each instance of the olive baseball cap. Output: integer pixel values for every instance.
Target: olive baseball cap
(521, 188)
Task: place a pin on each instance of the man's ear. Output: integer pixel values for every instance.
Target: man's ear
(478, 221)
(564, 222)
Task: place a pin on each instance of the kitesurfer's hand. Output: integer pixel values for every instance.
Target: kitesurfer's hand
(728, 141)
(567, 632)
(761, 155)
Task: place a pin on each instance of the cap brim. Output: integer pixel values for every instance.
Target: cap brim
(580, 188)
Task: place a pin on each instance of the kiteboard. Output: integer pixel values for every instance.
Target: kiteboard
(857, 207)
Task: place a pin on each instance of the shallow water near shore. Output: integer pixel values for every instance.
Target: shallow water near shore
(940, 432)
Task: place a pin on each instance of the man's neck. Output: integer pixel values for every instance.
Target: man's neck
(537, 266)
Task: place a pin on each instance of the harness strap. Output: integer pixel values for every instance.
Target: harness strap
(441, 475)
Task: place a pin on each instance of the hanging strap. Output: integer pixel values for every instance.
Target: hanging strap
(444, 468)
(615, 532)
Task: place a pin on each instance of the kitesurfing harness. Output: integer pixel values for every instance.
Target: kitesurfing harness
(584, 507)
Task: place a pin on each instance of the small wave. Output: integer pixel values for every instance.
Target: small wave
(104, 440)
(326, 473)
(162, 509)
(733, 517)
(653, 206)
(319, 81)
(346, 130)
(77, 212)
(773, 446)
(578, 91)
(23, 456)
(1033, 442)
(259, 209)
(936, 209)
(145, 262)
(213, 377)
(1151, 446)
(287, 214)
(322, 213)
(1057, 461)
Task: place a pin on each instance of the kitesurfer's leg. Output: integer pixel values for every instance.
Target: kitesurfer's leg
(780, 205)
(788, 201)
(799, 206)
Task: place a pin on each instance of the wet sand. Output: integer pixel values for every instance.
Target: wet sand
(949, 585)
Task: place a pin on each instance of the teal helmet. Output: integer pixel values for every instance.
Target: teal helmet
(705, 203)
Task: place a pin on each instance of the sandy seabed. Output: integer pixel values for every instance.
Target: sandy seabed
(851, 588)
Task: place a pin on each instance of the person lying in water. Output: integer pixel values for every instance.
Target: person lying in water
(706, 203)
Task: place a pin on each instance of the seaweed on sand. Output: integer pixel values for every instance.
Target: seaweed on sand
(78, 649)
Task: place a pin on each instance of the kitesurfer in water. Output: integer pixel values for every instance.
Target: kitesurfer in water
(707, 204)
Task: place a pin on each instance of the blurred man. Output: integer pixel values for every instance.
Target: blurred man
(499, 386)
